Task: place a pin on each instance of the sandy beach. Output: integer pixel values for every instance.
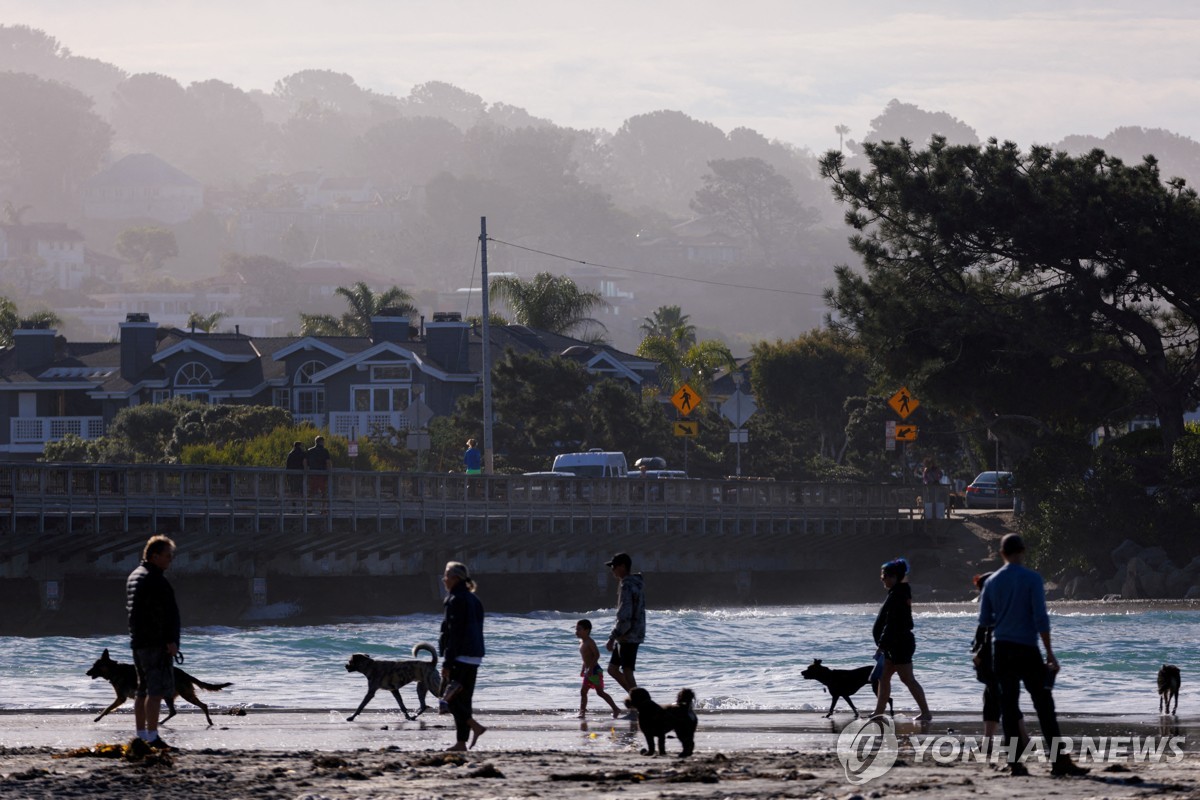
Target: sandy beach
(316, 754)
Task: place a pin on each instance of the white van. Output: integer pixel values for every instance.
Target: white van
(595, 463)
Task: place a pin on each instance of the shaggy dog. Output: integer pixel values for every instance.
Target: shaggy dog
(657, 721)
(391, 675)
(842, 683)
(1168, 687)
(123, 678)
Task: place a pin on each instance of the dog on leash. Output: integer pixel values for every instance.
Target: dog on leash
(657, 721)
(1168, 687)
(391, 675)
(123, 678)
(841, 683)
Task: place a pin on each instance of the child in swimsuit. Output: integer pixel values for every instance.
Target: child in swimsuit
(592, 674)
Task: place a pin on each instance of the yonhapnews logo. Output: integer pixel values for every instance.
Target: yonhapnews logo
(867, 748)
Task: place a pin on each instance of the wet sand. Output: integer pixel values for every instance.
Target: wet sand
(317, 754)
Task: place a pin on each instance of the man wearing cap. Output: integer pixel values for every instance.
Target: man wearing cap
(630, 628)
(1013, 605)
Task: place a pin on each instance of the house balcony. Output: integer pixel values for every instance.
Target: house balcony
(316, 420)
(372, 424)
(30, 434)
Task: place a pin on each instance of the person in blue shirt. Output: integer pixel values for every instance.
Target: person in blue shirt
(473, 459)
(1013, 605)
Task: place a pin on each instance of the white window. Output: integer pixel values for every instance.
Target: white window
(160, 395)
(281, 398)
(193, 373)
(380, 398)
(306, 371)
(310, 400)
(383, 373)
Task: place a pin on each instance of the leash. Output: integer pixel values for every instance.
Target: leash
(178, 656)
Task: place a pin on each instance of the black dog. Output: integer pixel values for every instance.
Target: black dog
(391, 675)
(123, 678)
(1168, 687)
(843, 683)
(657, 721)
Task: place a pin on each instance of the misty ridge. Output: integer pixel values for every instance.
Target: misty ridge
(320, 171)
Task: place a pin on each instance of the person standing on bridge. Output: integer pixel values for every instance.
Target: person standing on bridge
(630, 629)
(153, 636)
(473, 459)
(319, 464)
(297, 461)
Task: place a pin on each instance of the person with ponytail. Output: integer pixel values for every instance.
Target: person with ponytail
(893, 633)
(461, 647)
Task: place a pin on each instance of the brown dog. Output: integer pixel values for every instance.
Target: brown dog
(1168, 687)
(657, 721)
(123, 678)
(391, 675)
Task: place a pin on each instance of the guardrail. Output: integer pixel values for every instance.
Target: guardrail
(68, 490)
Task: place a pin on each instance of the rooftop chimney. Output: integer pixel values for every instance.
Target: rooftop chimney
(389, 325)
(139, 340)
(34, 344)
(446, 340)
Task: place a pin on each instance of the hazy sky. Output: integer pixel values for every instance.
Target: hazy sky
(791, 69)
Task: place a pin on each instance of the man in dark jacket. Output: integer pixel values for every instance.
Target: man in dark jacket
(630, 628)
(153, 635)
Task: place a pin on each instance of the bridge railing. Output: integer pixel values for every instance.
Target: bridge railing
(133, 488)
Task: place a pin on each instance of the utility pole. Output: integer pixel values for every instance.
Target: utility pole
(488, 457)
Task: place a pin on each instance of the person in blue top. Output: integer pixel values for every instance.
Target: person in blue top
(473, 459)
(461, 648)
(1013, 605)
(893, 633)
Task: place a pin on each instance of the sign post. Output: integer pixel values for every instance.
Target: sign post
(738, 409)
(685, 401)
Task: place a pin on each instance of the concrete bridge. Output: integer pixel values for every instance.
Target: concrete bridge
(375, 543)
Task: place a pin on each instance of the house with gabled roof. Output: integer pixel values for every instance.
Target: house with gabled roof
(354, 386)
(142, 186)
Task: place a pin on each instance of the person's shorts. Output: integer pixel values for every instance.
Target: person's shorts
(624, 655)
(155, 672)
(593, 679)
(901, 653)
(317, 484)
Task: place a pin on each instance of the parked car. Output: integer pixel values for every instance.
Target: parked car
(992, 489)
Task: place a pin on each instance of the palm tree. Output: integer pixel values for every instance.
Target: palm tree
(551, 303)
(669, 322)
(204, 322)
(10, 319)
(699, 363)
(364, 304)
(841, 130)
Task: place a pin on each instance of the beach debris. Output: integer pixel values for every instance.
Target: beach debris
(135, 750)
(236, 711)
(33, 773)
(622, 776)
(440, 760)
(486, 771)
(696, 774)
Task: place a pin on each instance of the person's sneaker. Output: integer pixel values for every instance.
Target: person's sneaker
(1068, 769)
(1018, 770)
(159, 744)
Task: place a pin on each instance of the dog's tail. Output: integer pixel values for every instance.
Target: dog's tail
(685, 698)
(208, 687)
(428, 648)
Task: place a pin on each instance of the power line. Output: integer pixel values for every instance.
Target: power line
(657, 274)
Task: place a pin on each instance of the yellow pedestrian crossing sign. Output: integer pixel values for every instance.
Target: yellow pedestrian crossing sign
(685, 427)
(685, 399)
(903, 403)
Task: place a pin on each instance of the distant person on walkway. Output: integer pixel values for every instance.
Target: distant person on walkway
(630, 628)
(893, 633)
(473, 459)
(319, 464)
(592, 674)
(296, 463)
(153, 635)
(1013, 605)
(461, 648)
